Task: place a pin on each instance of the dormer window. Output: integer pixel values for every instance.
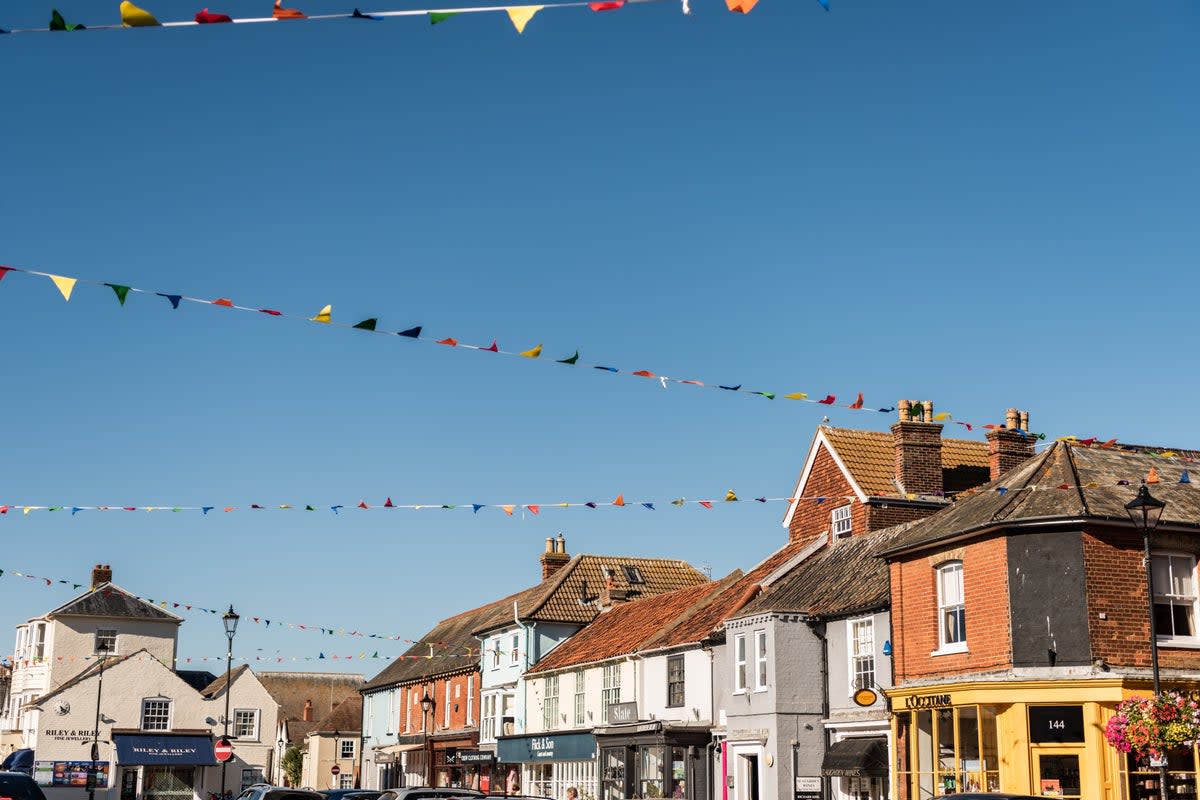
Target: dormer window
(632, 573)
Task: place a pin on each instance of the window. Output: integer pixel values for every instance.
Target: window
(675, 681)
(952, 615)
(632, 573)
(470, 699)
(507, 720)
(550, 703)
(495, 654)
(862, 654)
(515, 654)
(487, 724)
(245, 723)
(739, 663)
(1174, 595)
(580, 700)
(346, 748)
(446, 708)
(251, 776)
(106, 640)
(840, 518)
(611, 693)
(156, 715)
(760, 660)
(345, 781)
(39, 641)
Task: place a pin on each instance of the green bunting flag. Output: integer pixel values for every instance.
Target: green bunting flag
(440, 16)
(570, 360)
(367, 324)
(57, 23)
(120, 291)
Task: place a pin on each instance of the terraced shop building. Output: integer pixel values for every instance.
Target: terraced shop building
(1020, 620)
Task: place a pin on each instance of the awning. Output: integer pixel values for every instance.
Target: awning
(393, 749)
(864, 757)
(164, 750)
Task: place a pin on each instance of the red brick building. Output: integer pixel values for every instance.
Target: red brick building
(1020, 619)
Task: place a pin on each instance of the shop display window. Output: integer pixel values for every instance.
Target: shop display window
(612, 779)
(650, 772)
(945, 751)
(1181, 775)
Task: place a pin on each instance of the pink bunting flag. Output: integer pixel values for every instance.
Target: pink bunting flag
(706, 503)
(270, 311)
(4, 271)
(606, 5)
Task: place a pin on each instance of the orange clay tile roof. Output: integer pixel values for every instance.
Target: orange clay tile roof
(870, 458)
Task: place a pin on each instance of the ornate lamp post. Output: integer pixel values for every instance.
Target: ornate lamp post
(101, 654)
(427, 712)
(1145, 511)
(231, 620)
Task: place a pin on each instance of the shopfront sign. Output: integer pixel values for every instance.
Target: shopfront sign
(163, 750)
(476, 757)
(567, 747)
(622, 713)
(1055, 724)
(808, 788)
(927, 701)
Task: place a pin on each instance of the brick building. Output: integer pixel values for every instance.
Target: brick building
(1020, 619)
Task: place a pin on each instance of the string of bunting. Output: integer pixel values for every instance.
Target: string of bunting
(66, 287)
(508, 508)
(133, 16)
(278, 659)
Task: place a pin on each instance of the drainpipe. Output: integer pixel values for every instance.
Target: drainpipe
(818, 630)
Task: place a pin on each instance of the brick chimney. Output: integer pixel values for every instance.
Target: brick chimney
(917, 442)
(308, 709)
(101, 573)
(1006, 447)
(555, 557)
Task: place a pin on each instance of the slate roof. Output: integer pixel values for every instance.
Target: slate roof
(870, 458)
(198, 679)
(555, 599)
(110, 600)
(840, 579)
(346, 718)
(1090, 475)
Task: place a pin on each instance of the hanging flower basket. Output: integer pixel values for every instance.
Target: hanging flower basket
(1149, 726)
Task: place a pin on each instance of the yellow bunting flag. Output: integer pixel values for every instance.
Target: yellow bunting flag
(942, 416)
(796, 396)
(324, 315)
(533, 352)
(134, 17)
(730, 497)
(65, 285)
(520, 15)
(508, 509)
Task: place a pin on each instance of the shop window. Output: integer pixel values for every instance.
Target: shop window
(952, 614)
(550, 703)
(862, 654)
(650, 772)
(1181, 775)
(611, 692)
(612, 776)
(739, 663)
(946, 751)
(675, 682)
(1174, 595)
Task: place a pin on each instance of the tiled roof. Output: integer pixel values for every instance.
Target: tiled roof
(1090, 474)
(843, 578)
(555, 599)
(110, 600)
(870, 458)
(292, 690)
(346, 718)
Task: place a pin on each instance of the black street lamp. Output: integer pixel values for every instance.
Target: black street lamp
(101, 654)
(1146, 511)
(231, 620)
(427, 711)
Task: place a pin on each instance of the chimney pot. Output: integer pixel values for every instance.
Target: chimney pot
(1008, 447)
(555, 557)
(101, 574)
(917, 445)
(1025, 421)
(902, 408)
(1010, 419)
(561, 545)
(927, 411)
(549, 544)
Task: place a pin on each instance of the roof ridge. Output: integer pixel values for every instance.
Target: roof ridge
(556, 580)
(714, 590)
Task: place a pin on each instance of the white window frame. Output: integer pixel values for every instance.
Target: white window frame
(446, 714)
(515, 654)
(739, 663)
(761, 654)
(840, 521)
(346, 780)
(496, 653)
(580, 699)
(488, 718)
(949, 575)
(860, 649)
(342, 749)
(1165, 594)
(157, 701)
(550, 687)
(253, 737)
(38, 649)
(610, 694)
(470, 699)
(102, 633)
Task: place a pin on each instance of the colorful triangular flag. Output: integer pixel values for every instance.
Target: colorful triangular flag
(520, 15)
(134, 17)
(120, 291)
(367, 324)
(570, 360)
(326, 313)
(65, 285)
(533, 352)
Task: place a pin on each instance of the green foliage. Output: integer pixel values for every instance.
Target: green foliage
(292, 764)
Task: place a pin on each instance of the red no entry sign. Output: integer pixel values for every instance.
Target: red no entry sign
(223, 750)
(335, 769)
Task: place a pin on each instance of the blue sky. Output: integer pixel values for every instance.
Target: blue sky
(986, 204)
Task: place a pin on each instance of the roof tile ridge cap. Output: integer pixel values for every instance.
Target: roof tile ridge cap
(1075, 482)
(555, 583)
(702, 603)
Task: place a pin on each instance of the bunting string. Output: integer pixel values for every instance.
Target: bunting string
(66, 286)
(274, 658)
(132, 16)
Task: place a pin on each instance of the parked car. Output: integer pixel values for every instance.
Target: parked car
(265, 792)
(18, 761)
(428, 793)
(19, 786)
(995, 796)
(351, 794)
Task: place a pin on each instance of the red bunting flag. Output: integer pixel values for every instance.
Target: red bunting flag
(223, 301)
(706, 503)
(606, 5)
(829, 400)
(207, 17)
(389, 503)
(270, 311)
(620, 501)
(857, 403)
(286, 13)
(448, 341)
(3, 271)
(1109, 443)
(363, 504)
(644, 373)
(533, 509)
(494, 347)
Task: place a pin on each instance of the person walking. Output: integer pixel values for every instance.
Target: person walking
(572, 793)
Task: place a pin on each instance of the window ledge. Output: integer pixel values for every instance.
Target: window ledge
(949, 649)
(1184, 642)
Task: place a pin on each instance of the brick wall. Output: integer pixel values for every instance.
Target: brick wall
(885, 515)
(825, 479)
(914, 612)
(410, 699)
(918, 456)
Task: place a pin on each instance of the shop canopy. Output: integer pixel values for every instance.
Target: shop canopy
(864, 757)
(163, 750)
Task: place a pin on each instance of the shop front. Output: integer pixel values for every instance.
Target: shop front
(652, 759)
(449, 769)
(547, 764)
(162, 766)
(1041, 738)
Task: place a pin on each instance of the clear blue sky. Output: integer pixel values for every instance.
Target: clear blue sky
(982, 203)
